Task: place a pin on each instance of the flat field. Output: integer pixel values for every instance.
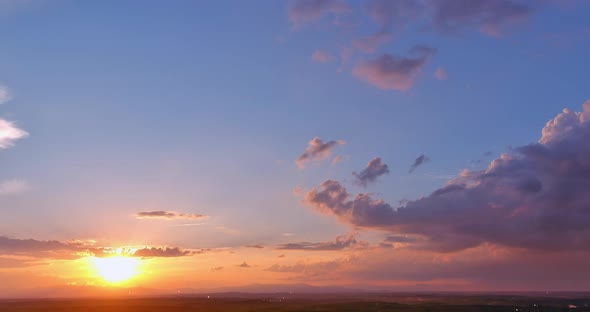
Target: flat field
(301, 302)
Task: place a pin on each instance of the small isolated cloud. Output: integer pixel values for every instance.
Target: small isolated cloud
(5, 95)
(168, 215)
(392, 72)
(305, 11)
(418, 162)
(336, 160)
(441, 74)
(217, 269)
(9, 133)
(13, 187)
(161, 252)
(258, 246)
(244, 265)
(321, 56)
(341, 242)
(375, 168)
(317, 150)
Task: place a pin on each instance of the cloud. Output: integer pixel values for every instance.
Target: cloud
(317, 150)
(9, 133)
(441, 74)
(244, 265)
(448, 16)
(168, 215)
(321, 56)
(78, 249)
(369, 44)
(419, 161)
(308, 270)
(5, 95)
(12, 187)
(258, 246)
(392, 72)
(336, 160)
(535, 197)
(375, 168)
(341, 242)
(161, 252)
(390, 16)
(304, 11)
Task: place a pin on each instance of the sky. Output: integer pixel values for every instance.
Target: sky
(408, 145)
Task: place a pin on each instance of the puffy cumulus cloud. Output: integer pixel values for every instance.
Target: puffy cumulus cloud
(5, 95)
(12, 187)
(441, 74)
(375, 168)
(161, 252)
(341, 242)
(535, 197)
(419, 161)
(488, 15)
(394, 72)
(321, 56)
(317, 150)
(9, 133)
(304, 11)
(168, 215)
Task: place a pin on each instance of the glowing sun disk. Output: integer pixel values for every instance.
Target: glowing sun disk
(116, 269)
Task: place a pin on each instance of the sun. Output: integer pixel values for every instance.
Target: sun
(116, 269)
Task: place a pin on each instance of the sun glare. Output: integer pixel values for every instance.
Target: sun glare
(117, 269)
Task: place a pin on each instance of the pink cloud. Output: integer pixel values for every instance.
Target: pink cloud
(441, 74)
(393, 72)
(321, 56)
(317, 150)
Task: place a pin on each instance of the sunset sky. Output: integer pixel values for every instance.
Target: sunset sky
(403, 145)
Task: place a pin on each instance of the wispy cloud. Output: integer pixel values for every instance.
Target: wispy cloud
(341, 242)
(321, 56)
(12, 187)
(168, 215)
(5, 95)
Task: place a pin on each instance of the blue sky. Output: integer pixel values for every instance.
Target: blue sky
(204, 106)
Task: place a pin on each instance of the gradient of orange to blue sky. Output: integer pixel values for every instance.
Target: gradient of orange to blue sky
(197, 145)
